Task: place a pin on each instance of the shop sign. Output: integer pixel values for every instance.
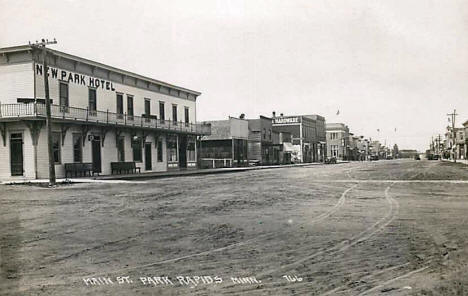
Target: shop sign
(286, 120)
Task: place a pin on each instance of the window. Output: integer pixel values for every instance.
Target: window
(119, 98)
(136, 147)
(172, 148)
(130, 107)
(174, 113)
(187, 115)
(147, 107)
(161, 111)
(264, 134)
(56, 146)
(77, 148)
(191, 151)
(160, 150)
(120, 149)
(269, 134)
(92, 101)
(63, 97)
(334, 150)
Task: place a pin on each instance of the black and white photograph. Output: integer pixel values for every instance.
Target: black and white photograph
(234, 147)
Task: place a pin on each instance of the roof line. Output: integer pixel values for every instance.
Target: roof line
(101, 65)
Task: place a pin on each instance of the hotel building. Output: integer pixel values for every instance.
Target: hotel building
(100, 115)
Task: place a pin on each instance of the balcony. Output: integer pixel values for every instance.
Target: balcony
(9, 112)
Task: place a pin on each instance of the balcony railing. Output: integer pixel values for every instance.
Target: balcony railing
(103, 117)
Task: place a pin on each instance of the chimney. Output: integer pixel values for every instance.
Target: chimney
(242, 116)
(281, 114)
(273, 114)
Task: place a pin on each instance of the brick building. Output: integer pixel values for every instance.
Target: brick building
(337, 140)
(308, 136)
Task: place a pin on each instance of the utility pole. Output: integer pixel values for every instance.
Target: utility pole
(438, 147)
(42, 46)
(454, 135)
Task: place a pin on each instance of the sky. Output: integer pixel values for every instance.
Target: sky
(395, 66)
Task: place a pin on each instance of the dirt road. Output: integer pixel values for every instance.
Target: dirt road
(370, 228)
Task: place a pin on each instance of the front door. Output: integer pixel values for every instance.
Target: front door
(148, 159)
(16, 154)
(182, 151)
(96, 153)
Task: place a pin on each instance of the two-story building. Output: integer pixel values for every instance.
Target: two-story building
(337, 140)
(308, 136)
(100, 114)
(260, 146)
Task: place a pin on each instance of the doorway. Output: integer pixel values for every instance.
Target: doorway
(96, 153)
(182, 152)
(148, 159)
(16, 154)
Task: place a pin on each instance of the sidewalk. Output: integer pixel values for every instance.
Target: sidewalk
(154, 175)
(463, 161)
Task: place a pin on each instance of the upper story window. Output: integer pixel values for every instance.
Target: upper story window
(119, 98)
(63, 96)
(174, 113)
(147, 107)
(162, 116)
(187, 115)
(130, 107)
(92, 101)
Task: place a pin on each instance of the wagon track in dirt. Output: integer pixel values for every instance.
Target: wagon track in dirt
(317, 219)
(325, 253)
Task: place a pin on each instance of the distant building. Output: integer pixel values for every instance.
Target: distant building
(455, 147)
(465, 128)
(375, 148)
(353, 150)
(227, 144)
(260, 145)
(363, 147)
(282, 147)
(308, 136)
(408, 153)
(337, 140)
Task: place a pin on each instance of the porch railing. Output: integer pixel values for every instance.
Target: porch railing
(95, 116)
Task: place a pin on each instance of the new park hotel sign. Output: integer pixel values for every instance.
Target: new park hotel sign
(75, 78)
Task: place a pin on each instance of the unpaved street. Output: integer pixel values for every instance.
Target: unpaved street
(371, 228)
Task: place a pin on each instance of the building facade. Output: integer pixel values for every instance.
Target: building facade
(260, 146)
(308, 136)
(100, 114)
(337, 140)
(227, 144)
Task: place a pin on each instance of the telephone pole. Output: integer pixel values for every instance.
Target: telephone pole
(438, 147)
(454, 134)
(42, 46)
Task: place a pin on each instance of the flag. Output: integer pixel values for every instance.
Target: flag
(338, 112)
(395, 129)
(378, 129)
